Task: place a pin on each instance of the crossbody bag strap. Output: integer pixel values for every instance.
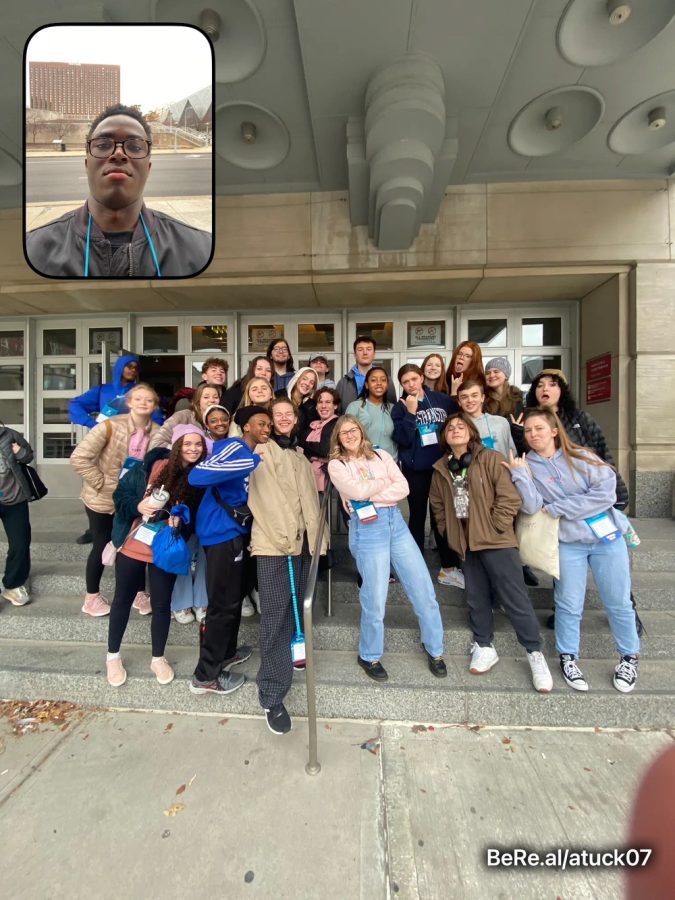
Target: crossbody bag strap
(222, 503)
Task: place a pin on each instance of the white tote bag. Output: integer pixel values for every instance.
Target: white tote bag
(537, 537)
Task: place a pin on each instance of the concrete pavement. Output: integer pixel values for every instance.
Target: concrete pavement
(148, 805)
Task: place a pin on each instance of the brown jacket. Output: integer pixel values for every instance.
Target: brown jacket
(493, 504)
(284, 501)
(99, 458)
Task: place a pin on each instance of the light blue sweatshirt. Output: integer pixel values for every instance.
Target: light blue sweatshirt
(378, 424)
(572, 495)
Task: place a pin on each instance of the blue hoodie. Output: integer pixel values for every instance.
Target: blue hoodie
(572, 495)
(84, 409)
(228, 470)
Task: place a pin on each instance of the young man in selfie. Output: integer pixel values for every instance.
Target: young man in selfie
(115, 235)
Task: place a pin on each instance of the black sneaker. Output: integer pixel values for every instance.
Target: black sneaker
(437, 665)
(374, 670)
(625, 674)
(225, 683)
(278, 720)
(550, 622)
(85, 538)
(530, 578)
(572, 673)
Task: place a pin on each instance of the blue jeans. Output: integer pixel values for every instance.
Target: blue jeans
(377, 546)
(188, 592)
(609, 565)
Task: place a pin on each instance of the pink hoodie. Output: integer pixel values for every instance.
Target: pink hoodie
(378, 479)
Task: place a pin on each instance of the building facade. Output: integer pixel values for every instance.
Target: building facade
(82, 89)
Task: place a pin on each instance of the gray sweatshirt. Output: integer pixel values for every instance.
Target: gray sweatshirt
(572, 495)
(497, 428)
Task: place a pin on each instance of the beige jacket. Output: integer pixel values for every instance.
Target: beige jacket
(99, 458)
(284, 501)
(162, 437)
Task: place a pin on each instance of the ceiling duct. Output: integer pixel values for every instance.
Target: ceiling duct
(399, 155)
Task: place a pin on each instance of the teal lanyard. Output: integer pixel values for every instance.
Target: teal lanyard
(150, 244)
(298, 629)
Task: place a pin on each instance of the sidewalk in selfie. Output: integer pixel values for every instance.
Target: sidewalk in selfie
(196, 211)
(138, 804)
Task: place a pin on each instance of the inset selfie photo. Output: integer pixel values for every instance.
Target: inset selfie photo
(118, 155)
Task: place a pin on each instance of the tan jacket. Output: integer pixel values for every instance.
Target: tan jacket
(162, 437)
(99, 458)
(284, 501)
(493, 503)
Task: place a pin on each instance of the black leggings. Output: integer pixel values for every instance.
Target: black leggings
(100, 525)
(418, 501)
(128, 573)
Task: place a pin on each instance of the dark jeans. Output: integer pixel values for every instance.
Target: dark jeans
(100, 525)
(499, 571)
(418, 501)
(128, 573)
(16, 520)
(226, 566)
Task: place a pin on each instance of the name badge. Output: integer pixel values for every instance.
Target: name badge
(107, 412)
(365, 510)
(603, 527)
(129, 463)
(148, 532)
(489, 442)
(428, 434)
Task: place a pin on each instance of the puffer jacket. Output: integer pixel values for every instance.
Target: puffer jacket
(584, 430)
(284, 501)
(99, 458)
(162, 437)
(13, 461)
(493, 503)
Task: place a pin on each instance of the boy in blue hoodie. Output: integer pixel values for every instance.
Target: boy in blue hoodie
(225, 474)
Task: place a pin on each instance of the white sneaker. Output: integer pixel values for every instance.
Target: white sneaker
(247, 608)
(17, 596)
(541, 676)
(482, 659)
(625, 674)
(200, 613)
(184, 616)
(451, 577)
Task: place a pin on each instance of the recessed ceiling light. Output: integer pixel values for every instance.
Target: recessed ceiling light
(618, 11)
(657, 118)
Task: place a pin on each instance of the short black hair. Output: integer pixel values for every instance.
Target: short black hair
(119, 109)
(364, 339)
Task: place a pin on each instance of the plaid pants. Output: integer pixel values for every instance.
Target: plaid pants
(277, 623)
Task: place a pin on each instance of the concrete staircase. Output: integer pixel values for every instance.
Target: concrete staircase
(49, 649)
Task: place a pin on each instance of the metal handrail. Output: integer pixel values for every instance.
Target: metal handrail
(313, 766)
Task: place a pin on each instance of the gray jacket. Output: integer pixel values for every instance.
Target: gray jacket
(58, 248)
(346, 388)
(13, 482)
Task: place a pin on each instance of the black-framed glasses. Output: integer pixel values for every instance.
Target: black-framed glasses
(134, 148)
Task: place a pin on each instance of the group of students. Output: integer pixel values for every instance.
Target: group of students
(240, 472)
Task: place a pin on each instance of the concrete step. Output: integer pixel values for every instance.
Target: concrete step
(653, 590)
(75, 672)
(60, 619)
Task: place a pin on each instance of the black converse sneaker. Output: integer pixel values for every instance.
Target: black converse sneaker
(625, 674)
(572, 673)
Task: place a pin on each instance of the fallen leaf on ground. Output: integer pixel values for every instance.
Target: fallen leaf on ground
(181, 790)
(372, 746)
(506, 740)
(168, 727)
(174, 809)
(417, 728)
(28, 716)
(192, 779)
(223, 721)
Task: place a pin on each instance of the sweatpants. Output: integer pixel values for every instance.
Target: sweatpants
(499, 571)
(418, 501)
(16, 522)
(277, 622)
(128, 573)
(225, 565)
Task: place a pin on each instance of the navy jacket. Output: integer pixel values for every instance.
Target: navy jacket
(434, 410)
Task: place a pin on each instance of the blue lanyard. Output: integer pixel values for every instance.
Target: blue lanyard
(150, 244)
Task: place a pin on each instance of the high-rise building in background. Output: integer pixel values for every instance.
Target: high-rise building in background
(74, 89)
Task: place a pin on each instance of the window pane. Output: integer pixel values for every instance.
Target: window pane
(316, 337)
(381, 332)
(11, 343)
(55, 411)
(259, 336)
(426, 334)
(59, 342)
(59, 378)
(57, 445)
(542, 332)
(532, 366)
(160, 338)
(209, 338)
(488, 332)
(11, 378)
(11, 412)
(111, 336)
(386, 365)
(94, 374)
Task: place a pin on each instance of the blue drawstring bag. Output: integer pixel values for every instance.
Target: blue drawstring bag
(170, 552)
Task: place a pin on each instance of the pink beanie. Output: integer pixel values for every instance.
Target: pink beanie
(181, 430)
